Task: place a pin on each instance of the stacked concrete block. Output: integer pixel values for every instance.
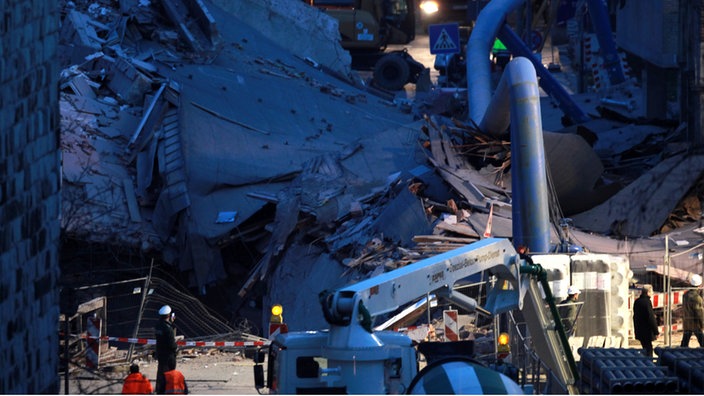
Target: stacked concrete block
(603, 280)
(621, 318)
(29, 197)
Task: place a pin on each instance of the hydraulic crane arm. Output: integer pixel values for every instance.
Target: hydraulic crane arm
(350, 310)
(438, 274)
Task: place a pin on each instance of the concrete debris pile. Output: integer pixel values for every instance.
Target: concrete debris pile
(113, 101)
(210, 163)
(190, 136)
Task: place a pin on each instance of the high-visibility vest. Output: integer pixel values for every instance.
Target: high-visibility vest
(137, 384)
(175, 383)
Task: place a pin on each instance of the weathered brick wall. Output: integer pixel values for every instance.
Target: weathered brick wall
(29, 197)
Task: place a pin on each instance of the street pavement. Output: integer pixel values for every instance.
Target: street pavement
(217, 373)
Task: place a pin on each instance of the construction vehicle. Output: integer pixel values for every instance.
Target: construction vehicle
(448, 11)
(351, 357)
(367, 28)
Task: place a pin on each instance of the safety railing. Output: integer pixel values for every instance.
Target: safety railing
(533, 372)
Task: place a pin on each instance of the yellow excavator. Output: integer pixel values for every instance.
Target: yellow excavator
(367, 27)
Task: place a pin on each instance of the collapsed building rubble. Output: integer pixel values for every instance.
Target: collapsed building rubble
(247, 168)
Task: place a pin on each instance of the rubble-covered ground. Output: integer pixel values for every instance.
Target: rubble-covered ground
(206, 372)
(214, 153)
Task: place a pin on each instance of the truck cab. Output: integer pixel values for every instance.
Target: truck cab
(301, 363)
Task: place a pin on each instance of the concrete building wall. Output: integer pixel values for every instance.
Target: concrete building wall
(650, 29)
(29, 197)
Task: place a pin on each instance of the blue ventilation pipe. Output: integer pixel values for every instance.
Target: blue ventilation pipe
(490, 19)
(518, 91)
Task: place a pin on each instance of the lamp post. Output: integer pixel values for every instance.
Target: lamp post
(667, 286)
(668, 297)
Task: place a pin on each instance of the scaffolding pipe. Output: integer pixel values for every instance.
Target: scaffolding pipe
(547, 81)
(145, 292)
(607, 47)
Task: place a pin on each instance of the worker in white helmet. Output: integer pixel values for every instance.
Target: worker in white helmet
(693, 319)
(166, 347)
(568, 309)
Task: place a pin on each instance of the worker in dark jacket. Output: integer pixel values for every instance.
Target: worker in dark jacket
(166, 346)
(136, 383)
(644, 324)
(693, 320)
(568, 310)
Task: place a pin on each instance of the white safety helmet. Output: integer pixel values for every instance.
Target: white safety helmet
(696, 280)
(573, 290)
(165, 310)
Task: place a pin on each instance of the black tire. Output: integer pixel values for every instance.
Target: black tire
(391, 72)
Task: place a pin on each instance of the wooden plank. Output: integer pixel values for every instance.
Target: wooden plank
(436, 247)
(92, 305)
(436, 145)
(440, 238)
(222, 117)
(453, 160)
(458, 229)
(501, 227)
(131, 198)
(474, 197)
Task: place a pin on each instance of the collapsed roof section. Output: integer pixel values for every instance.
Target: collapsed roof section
(176, 157)
(183, 155)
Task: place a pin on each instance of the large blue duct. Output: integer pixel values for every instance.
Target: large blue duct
(515, 102)
(485, 30)
(518, 88)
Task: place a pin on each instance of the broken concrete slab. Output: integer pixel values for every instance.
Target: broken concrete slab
(129, 83)
(81, 85)
(296, 26)
(575, 169)
(402, 218)
(87, 105)
(78, 38)
(639, 209)
(154, 112)
(312, 269)
(196, 26)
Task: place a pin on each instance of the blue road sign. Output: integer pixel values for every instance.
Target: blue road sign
(444, 38)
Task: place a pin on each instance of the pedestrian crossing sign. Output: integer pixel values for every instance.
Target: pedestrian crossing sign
(444, 38)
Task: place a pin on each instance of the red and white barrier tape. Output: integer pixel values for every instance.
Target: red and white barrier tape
(660, 299)
(148, 341)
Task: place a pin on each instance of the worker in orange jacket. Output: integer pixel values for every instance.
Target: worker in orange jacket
(136, 383)
(174, 382)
